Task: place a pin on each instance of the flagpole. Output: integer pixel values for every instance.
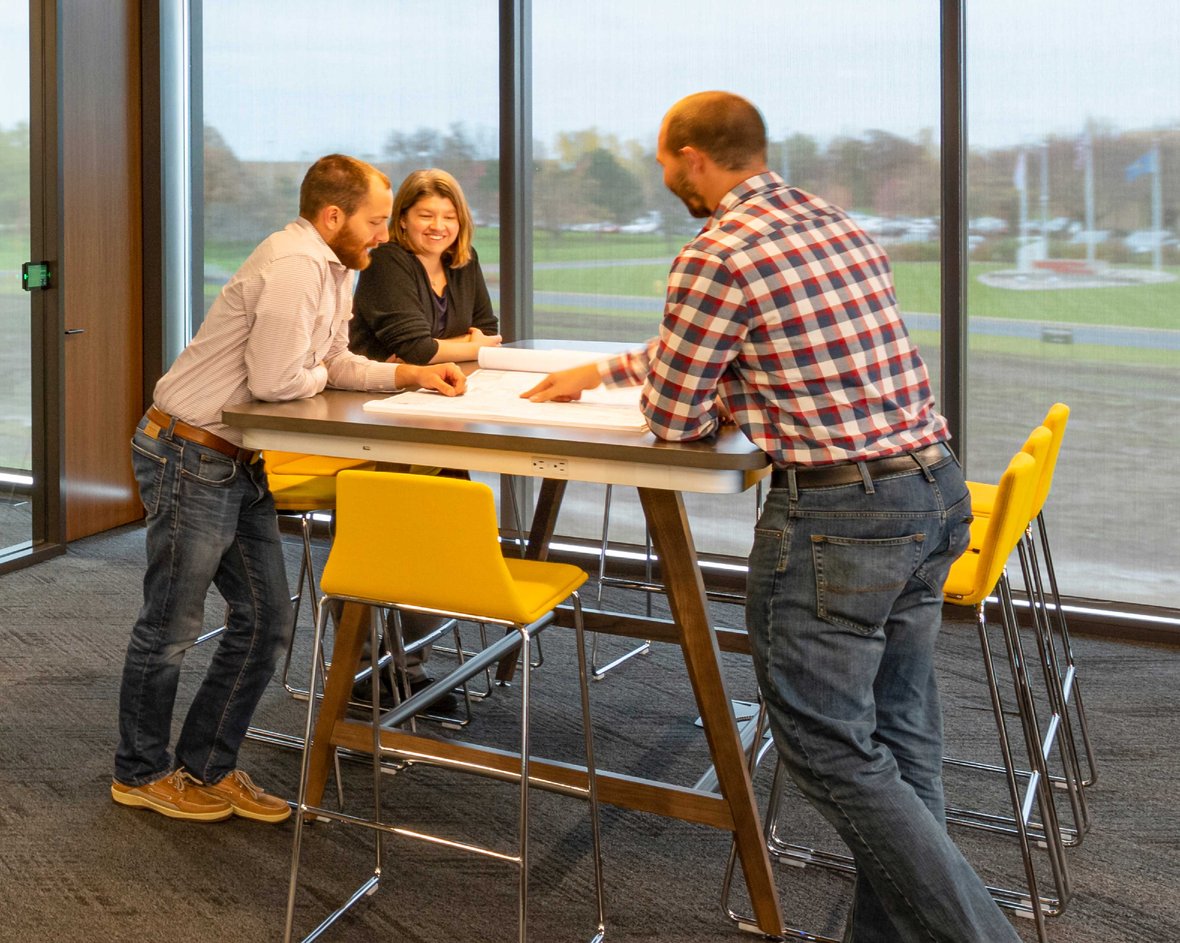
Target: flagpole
(1157, 215)
(1045, 200)
(1021, 179)
(1089, 182)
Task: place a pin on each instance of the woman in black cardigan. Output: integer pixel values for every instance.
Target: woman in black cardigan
(423, 298)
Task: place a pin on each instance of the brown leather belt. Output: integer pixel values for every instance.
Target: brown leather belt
(159, 421)
(849, 473)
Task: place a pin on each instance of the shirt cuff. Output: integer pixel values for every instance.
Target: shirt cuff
(629, 369)
(382, 377)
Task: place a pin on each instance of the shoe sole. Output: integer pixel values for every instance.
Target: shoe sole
(270, 817)
(140, 802)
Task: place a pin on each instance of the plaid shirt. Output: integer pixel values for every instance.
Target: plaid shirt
(782, 313)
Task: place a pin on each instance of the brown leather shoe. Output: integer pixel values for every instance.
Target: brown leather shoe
(177, 796)
(248, 800)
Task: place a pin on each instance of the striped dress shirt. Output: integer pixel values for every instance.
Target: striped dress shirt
(278, 331)
(781, 314)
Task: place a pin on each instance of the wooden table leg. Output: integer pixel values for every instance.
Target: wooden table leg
(545, 518)
(351, 629)
(672, 540)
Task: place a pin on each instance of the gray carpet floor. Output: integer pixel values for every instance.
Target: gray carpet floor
(74, 866)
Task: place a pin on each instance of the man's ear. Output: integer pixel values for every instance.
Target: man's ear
(330, 219)
(694, 158)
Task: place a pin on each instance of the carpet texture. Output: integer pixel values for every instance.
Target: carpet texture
(74, 866)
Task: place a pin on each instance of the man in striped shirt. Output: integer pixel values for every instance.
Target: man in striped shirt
(781, 317)
(277, 331)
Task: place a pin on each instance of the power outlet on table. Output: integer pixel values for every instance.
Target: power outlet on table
(550, 467)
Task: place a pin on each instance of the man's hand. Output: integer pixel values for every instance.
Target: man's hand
(480, 339)
(444, 378)
(565, 385)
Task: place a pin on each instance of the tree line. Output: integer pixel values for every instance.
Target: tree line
(588, 177)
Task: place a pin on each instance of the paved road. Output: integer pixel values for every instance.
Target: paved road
(1104, 334)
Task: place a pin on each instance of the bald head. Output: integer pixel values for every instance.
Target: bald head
(721, 125)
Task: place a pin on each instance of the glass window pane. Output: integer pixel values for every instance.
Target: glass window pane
(1074, 189)
(16, 422)
(860, 130)
(408, 85)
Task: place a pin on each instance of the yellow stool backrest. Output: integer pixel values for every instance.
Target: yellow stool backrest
(975, 574)
(1055, 421)
(432, 542)
(1039, 445)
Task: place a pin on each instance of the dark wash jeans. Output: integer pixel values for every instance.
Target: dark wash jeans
(845, 600)
(210, 521)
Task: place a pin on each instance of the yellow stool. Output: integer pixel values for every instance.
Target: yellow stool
(973, 578)
(429, 544)
(1046, 594)
(303, 486)
(1059, 681)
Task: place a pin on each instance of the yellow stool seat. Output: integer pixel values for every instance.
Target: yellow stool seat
(296, 463)
(303, 494)
(983, 497)
(435, 517)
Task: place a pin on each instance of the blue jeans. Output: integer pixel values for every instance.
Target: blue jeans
(210, 521)
(845, 602)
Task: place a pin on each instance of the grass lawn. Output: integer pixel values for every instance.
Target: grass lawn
(918, 283)
(1150, 306)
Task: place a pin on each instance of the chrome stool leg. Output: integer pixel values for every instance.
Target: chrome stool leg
(1070, 682)
(598, 672)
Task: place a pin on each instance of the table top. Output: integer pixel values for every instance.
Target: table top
(336, 423)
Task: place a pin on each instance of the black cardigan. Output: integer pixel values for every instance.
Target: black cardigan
(393, 310)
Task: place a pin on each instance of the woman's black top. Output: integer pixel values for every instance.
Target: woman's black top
(396, 312)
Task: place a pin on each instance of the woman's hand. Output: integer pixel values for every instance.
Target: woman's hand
(480, 339)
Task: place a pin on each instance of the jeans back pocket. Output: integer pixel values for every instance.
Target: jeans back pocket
(857, 581)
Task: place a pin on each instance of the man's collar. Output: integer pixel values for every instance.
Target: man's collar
(309, 228)
(751, 186)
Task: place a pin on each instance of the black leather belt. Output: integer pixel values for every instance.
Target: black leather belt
(159, 421)
(849, 473)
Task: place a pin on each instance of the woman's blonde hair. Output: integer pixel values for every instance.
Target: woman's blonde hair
(434, 182)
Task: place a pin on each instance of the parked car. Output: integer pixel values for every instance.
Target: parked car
(1090, 236)
(1145, 240)
(988, 225)
(648, 222)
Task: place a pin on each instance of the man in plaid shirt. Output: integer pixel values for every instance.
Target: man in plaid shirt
(781, 317)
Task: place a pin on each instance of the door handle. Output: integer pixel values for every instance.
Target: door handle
(75, 330)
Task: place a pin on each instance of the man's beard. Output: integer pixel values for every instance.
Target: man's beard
(690, 196)
(352, 252)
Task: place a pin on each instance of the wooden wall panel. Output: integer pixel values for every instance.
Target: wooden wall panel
(102, 257)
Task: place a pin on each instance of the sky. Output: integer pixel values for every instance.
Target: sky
(14, 62)
(282, 81)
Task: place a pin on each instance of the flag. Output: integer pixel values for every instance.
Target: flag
(1020, 175)
(1144, 165)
